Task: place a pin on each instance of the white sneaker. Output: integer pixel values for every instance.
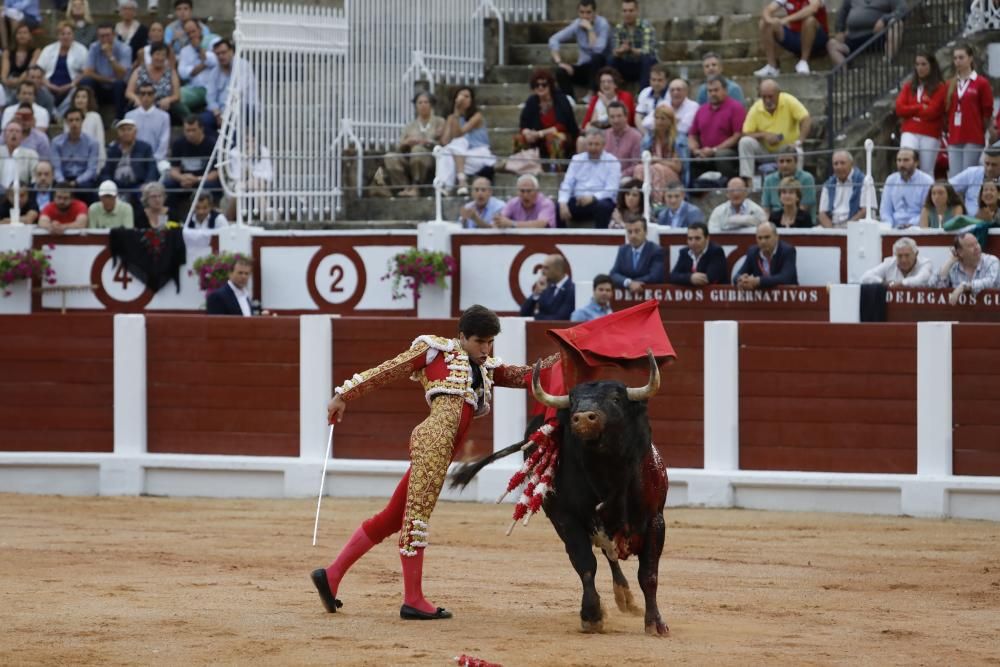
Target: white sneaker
(767, 71)
(802, 67)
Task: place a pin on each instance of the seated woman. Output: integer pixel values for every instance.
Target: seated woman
(16, 61)
(942, 204)
(662, 143)
(84, 30)
(63, 62)
(548, 122)
(29, 207)
(15, 14)
(608, 90)
(988, 213)
(412, 166)
(153, 213)
(791, 213)
(164, 80)
(154, 36)
(466, 145)
(631, 204)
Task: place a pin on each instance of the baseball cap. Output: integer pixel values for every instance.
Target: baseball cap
(125, 121)
(107, 189)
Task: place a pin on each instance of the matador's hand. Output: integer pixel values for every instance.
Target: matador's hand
(335, 409)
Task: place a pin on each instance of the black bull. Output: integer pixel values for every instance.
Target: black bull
(609, 490)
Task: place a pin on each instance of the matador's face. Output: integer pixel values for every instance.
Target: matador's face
(477, 347)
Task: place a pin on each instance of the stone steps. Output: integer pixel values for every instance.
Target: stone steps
(733, 26)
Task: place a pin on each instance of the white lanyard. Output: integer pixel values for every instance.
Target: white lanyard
(963, 86)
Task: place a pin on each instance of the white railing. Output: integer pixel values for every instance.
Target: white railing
(522, 10)
(983, 15)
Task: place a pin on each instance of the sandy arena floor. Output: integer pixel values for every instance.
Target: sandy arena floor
(157, 581)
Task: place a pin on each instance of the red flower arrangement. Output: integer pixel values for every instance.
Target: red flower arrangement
(415, 268)
(25, 265)
(213, 270)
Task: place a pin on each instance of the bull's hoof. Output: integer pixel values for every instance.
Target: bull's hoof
(591, 627)
(657, 629)
(625, 601)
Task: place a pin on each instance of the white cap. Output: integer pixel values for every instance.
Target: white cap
(107, 189)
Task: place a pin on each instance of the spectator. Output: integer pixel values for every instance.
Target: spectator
(905, 191)
(788, 161)
(108, 63)
(43, 96)
(737, 212)
(130, 163)
(803, 30)
(600, 303)
(968, 181)
(968, 269)
(716, 131)
(858, 21)
(631, 204)
(43, 179)
(155, 214)
(622, 140)
(651, 97)
(196, 65)
(78, 14)
(74, 156)
(413, 165)
(840, 200)
(662, 142)
(904, 269)
(152, 123)
(130, 32)
(530, 208)
(93, 125)
(62, 62)
(63, 212)
(768, 264)
(174, 34)
(777, 119)
(553, 295)
(986, 209)
(26, 95)
(218, 84)
(633, 46)
(162, 79)
(15, 14)
(942, 204)
(609, 91)
(593, 38)
(205, 216)
(639, 262)
(156, 37)
(791, 213)
(969, 107)
(16, 61)
(109, 211)
(920, 107)
(711, 65)
(703, 263)
(684, 107)
(588, 191)
(190, 157)
(254, 163)
(34, 138)
(233, 298)
(28, 210)
(548, 121)
(678, 212)
(16, 161)
(480, 210)
(466, 144)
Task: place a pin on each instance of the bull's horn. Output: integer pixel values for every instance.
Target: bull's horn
(653, 386)
(557, 402)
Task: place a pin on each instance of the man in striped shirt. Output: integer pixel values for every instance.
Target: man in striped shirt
(633, 45)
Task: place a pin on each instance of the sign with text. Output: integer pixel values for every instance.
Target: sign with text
(725, 302)
(916, 304)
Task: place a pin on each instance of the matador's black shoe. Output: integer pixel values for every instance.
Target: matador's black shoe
(323, 587)
(413, 614)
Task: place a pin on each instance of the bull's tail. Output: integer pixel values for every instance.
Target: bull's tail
(465, 472)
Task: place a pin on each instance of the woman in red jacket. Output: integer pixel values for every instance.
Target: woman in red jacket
(609, 89)
(970, 108)
(920, 106)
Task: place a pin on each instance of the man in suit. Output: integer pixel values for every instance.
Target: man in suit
(639, 262)
(233, 297)
(554, 296)
(770, 263)
(703, 263)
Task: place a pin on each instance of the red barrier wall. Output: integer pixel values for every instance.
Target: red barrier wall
(975, 397)
(828, 397)
(378, 425)
(56, 380)
(223, 385)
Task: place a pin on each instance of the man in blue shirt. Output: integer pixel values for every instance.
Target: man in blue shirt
(600, 303)
(196, 64)
(217, 95)
(905, 191)
(74, 157)
(107, 68)
(593, 37)
(678, 213)
(479, 211)
(591, 184)
(969, 181)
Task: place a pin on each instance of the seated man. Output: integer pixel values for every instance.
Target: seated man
(788, 167)
(205, 215)
(106, 72)
(633, 45)
(151, 122)
(109, 211)
(34, 138)
(26, 95)
(592, 34)
(28, 209)
(968, 182)
(716, 131)
(840, 200)
(130, 163)
(703, 263)
(858, 21)
(777, 119)
(768, 264)
(905, 191)
(738, 212)
(42, 181)
(651, 96)
(63, 212)
(678, 212)
(803, 30)
(530, 208)
(189, 161)
(482, 208)
(600, 303)
(590, 186)
(74, 156)
(904, 269)
(196, 65)
(711, 65)
(969, 270)
(553, 295)
(639, 262)
(43, 96)
(621, 139)
(17, 166)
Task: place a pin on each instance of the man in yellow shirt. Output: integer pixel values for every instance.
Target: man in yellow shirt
(776, 119)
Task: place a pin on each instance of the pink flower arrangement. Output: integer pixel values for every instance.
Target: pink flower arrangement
(213, 270)
(411, 270)
(25, 265)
